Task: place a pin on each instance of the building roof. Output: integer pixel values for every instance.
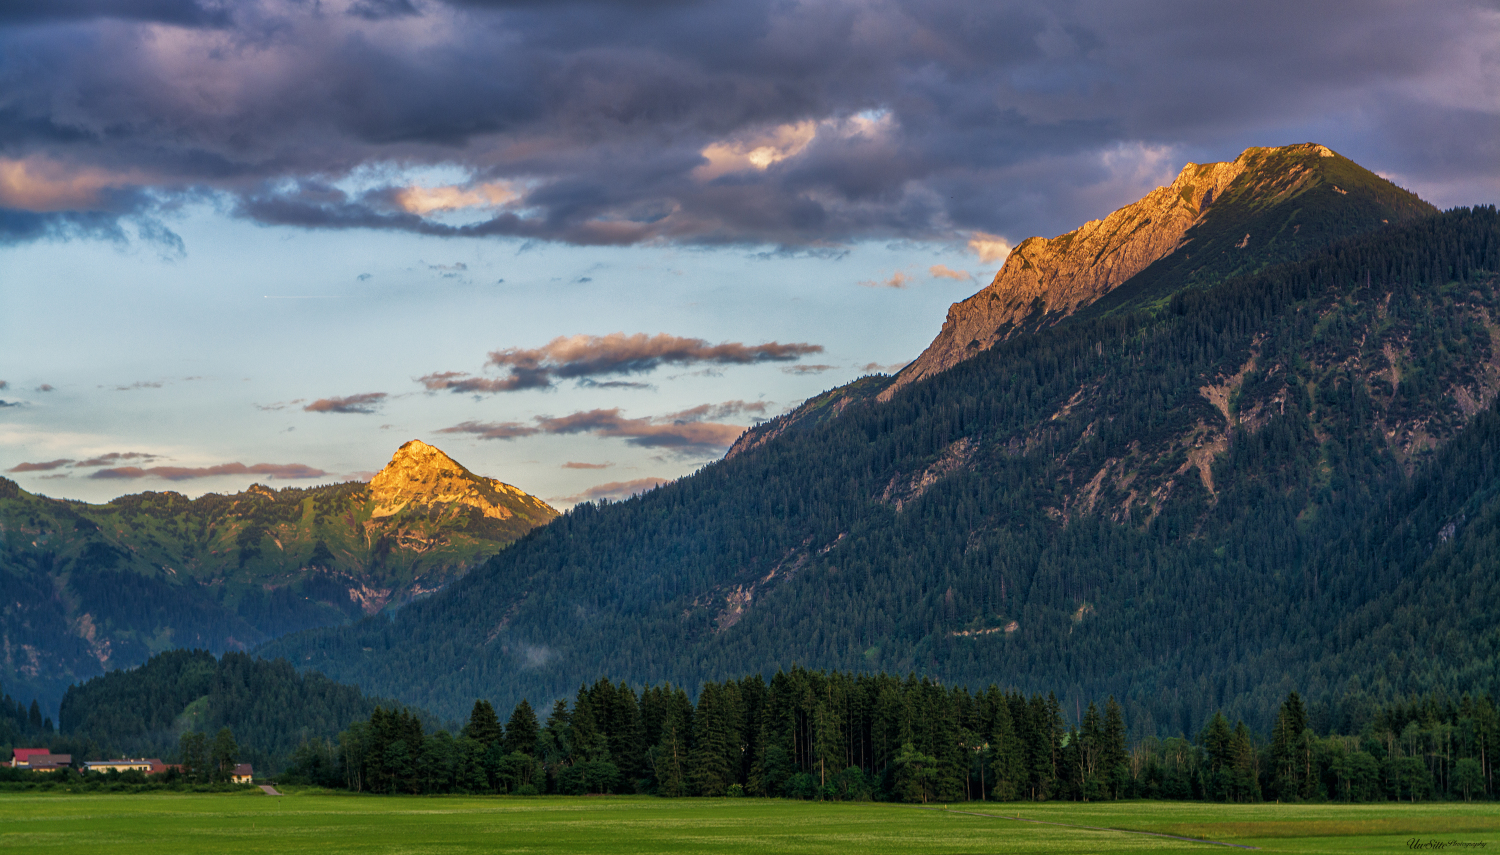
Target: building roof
(22, 754)
(242, 769)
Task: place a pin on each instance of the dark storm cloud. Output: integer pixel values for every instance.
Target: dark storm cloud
(185, 13)
(709, 122)
(581, 357)
(379, 10)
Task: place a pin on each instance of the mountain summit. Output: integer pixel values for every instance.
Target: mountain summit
(105, 586)
(1215, 220)
(421, 475)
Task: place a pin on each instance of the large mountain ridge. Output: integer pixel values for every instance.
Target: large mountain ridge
(97, 587)
(1127, 501)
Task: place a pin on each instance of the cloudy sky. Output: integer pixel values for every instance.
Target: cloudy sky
(581, 245)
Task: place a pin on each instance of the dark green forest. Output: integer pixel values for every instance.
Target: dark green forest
(1283, 481)
(21, 725)
(815, 735)
(269, 707)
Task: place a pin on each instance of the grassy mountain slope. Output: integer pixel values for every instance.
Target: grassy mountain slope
(93, 587)
(1126, 504)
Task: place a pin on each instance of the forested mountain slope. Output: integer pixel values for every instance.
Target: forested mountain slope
(94, 587)
(269, 707)
(1137, 504)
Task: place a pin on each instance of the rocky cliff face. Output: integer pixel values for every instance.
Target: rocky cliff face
(1198, 217)
(421, 475)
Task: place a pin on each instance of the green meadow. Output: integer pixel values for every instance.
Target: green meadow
(328, 824)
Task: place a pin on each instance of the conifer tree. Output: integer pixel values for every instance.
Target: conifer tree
(1114, 758)
(1007, 762)
(522, 730)
(484, 725)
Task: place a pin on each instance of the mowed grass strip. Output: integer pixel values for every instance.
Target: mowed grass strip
(1285, 828)
(332, 824)
(329, 824)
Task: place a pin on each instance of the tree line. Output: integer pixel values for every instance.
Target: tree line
(842, 736)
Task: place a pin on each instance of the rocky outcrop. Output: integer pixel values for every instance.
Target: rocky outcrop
(421, 475)
(1055, 277)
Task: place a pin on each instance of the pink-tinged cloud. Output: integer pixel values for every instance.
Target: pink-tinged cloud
(41, 184)
(897, 280)
(364, 404)
(725, 410)
(808, 369)
(117, 457)
(884, 369)
(573, 464)
(47, 466)
(183, 473)
(684, 431)
(617, 490)
(943, 271)
(580, 357)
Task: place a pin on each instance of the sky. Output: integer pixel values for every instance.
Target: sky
(580, 246)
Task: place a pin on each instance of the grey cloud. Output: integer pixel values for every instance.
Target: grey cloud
(616, 490)
(380, 10)
(364, 404)
(932, 117)
(46, 466)
(117, 457)
(684, 432)
(582, 357)
(185, 13)
(185, 473)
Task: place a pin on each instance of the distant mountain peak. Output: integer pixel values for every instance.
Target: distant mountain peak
(1225, 217)
(422, 475)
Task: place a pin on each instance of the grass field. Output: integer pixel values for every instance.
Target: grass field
(329, 824)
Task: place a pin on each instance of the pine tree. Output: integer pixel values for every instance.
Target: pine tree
(522, 730)
(484, 725)
(1287, 749)
(1007, 758)
(1114, 759)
